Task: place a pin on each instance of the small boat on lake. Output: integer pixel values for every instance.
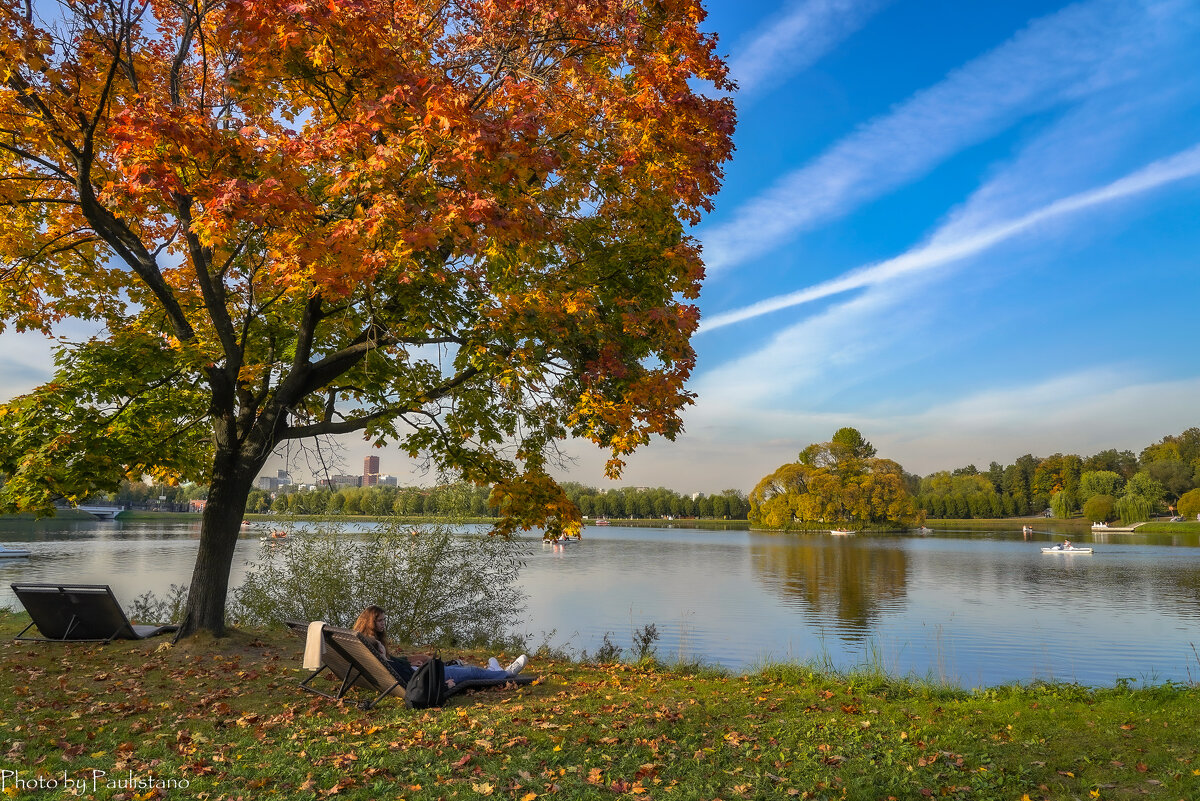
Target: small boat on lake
(13, 553)
(841, 532)
(1060, 549)
(600, 521)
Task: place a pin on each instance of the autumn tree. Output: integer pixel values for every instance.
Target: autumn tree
(460, 226)
(839, 480)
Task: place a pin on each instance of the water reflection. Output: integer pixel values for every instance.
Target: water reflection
(979, 608)
(843, 581)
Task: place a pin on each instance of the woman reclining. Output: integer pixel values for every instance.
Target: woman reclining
(372, 625)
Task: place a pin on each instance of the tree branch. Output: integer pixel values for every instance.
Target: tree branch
(352, 424)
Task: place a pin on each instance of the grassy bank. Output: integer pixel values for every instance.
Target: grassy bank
(228, 718)
(60, 515)
(700, 523)
(144, 515)
(734, 525)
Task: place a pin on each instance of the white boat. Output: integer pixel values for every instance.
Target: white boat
(1099, 525)
(841, 532)
(1060, 549)
(602, 522)
(13, 553)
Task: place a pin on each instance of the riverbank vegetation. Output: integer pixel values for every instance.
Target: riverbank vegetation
(1110, 485)
(227, 717)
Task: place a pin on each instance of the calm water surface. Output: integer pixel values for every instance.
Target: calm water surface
(974, 609)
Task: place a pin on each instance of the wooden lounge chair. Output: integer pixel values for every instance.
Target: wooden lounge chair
(348, 657)
(331, 660)
(78, 613)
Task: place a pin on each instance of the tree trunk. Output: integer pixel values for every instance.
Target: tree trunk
(219, 531)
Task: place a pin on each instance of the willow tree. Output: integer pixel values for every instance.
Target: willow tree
(456, 225)
(837, 481)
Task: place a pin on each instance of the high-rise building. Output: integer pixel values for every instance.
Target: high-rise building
(370, 471)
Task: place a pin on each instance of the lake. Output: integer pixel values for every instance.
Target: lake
(973, 608)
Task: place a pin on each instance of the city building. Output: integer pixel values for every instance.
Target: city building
(341, 481)
(271, 483)
(370, 471)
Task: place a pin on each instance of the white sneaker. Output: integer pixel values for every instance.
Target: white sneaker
(493, 663)
(517, 665)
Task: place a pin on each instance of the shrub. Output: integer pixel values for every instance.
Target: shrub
(1189, 504)
(1099, 508)
(437, 586)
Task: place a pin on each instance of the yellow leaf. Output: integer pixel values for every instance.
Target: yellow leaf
(558, 748)
(483, 788)
(1094, 793)
(529, 797)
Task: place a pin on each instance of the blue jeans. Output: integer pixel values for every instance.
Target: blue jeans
(457, 673)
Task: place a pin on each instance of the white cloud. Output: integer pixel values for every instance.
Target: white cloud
(1064, 57)
(796, 40)
(943, 249)
(1081, 413)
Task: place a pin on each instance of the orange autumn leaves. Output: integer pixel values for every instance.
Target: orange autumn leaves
(459, 226)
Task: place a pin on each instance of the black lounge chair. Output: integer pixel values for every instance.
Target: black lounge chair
(348, 657)
(78, 613)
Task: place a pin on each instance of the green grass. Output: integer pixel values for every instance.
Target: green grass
(227, 717)
(1182, 527)
(60, 514)
(133, 515)
(699, 523)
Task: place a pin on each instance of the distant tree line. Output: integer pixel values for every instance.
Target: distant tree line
(140, 495)
(1106, 486)
(843, 481)
(465, 499)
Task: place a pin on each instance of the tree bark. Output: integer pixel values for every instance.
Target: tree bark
(221, 525)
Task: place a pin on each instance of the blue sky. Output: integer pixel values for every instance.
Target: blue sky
(967, 229)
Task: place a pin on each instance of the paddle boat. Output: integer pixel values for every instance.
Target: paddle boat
(602, 522)
(841, 532)
(275, 536)
(1100, 526)
(1071, 549)
(13, 553)
(1026, 529)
